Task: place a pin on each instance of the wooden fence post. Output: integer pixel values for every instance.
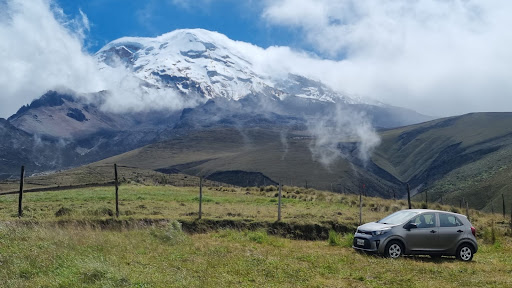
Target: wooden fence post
(504, 213)
(20, 199)
(467, 210)
(279, 204)
(306, 183)
(361, 208)
(117, 190)
(200, 197)
(426, 198)
(409, 195)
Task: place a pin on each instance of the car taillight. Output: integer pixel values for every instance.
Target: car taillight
(473, 230)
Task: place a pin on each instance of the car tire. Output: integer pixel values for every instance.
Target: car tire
(394, 249)
(465, 252)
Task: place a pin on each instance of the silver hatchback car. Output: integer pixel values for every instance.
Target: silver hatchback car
(419, 231)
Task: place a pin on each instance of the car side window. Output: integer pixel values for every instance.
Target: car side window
(447, 220)
(425, 220)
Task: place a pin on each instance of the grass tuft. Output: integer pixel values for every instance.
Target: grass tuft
(63, 211)
(334, 238)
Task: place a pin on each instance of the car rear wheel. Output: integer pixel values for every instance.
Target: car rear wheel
(394, 249)
(465, 252)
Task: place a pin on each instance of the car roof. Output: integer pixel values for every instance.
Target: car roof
(431, 210)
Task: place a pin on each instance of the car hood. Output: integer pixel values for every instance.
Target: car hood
(374, 226)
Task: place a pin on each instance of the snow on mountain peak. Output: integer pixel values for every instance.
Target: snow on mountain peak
(208, 64)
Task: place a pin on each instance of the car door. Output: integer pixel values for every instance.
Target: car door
(425, 236)
(451, 230)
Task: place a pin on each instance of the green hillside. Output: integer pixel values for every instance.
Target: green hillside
(256, 150)
(451, 159)
(466, 157)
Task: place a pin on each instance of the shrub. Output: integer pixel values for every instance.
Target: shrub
(172, 234)
(102, 212)
(454, 209)
(395, 208)
(63, 211)
(334, 238)
(321, 197)
(259, 237)
(348, 240)
(489, 234)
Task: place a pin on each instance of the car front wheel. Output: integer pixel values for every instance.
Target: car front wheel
(394, 249)
(465, 252)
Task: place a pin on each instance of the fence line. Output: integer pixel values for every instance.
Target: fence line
(212, 183)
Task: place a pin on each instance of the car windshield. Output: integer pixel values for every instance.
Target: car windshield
(398, 217)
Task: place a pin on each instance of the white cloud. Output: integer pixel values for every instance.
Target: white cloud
(438, 57)
(38, 53)
(42, 48)
(332, 129)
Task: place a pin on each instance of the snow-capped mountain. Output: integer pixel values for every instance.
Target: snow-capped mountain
(200, 62)
(178, 83)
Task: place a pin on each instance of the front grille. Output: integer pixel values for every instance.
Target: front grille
(364, 232)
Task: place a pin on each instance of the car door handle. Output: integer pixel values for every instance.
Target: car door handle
(433, 231)
(460, 231)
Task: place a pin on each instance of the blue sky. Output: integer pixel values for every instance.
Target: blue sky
(239, 20)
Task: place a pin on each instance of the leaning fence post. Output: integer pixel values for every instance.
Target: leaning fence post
(117, 190)
(279, 203)
(200, 197)
(20, 199)
(467, 209)
(409, 195)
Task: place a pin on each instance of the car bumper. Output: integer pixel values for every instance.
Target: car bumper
(368, 243)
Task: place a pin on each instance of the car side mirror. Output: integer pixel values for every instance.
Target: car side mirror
(410, 226)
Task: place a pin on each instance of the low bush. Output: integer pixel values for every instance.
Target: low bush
(334, 238)
(63, 211)
(172, 234)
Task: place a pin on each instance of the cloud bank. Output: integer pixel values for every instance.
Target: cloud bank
(438, 57)
(39, 52)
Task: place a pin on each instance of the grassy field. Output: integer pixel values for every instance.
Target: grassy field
(48, 248)
(169, 202)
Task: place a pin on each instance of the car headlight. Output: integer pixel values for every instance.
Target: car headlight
(380, 232)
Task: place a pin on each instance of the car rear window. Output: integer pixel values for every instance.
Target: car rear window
(447, 220)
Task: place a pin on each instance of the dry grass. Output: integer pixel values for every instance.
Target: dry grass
(36, 252)
(45, 256)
